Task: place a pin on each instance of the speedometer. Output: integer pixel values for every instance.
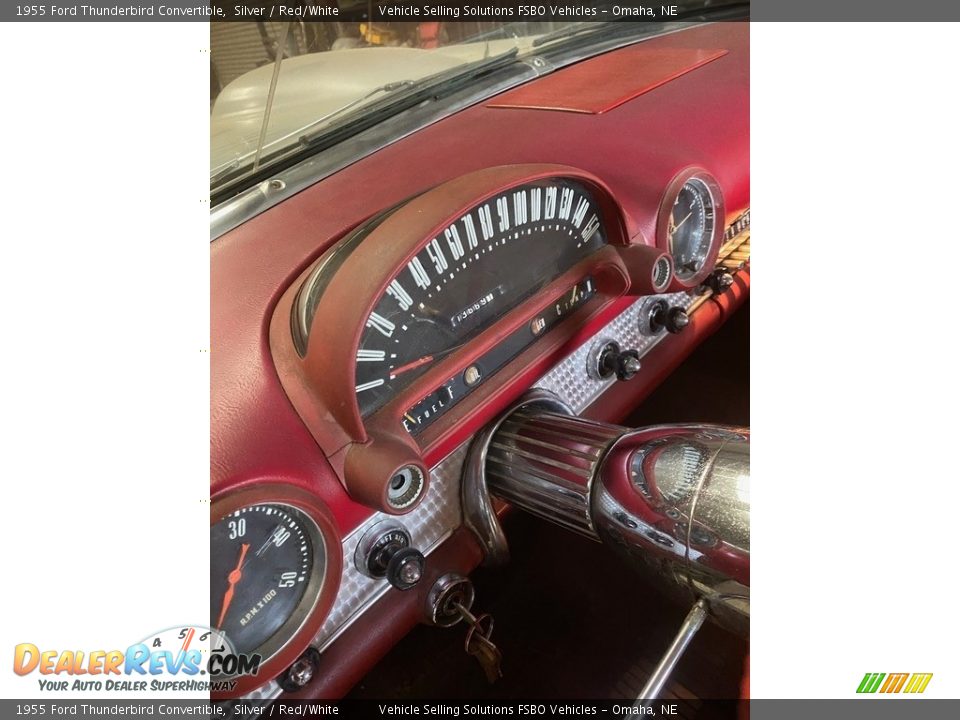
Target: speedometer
(420, 316)
(473, 272)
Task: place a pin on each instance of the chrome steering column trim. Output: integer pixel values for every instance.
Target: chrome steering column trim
(479, 514)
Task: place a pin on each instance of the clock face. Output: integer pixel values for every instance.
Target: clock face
(690, 228)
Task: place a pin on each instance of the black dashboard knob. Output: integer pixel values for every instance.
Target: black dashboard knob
(676, 320)
(405, 568)
(625, 364)
(719, 281)
(662, 316)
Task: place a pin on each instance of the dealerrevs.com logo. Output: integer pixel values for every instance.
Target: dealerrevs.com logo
(894, 683)
(183, 659)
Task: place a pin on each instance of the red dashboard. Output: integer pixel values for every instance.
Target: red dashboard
(287, 415)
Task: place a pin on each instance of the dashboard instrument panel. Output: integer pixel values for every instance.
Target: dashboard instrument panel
(418, 311)
(296, 293)
(470, 275)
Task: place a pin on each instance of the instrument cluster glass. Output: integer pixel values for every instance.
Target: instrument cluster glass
(690, 228)
(267, 564)
(480, 267)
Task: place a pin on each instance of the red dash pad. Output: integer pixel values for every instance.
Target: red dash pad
(607, 81)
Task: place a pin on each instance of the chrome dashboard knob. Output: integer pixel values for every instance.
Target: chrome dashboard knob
(719, 281)
(661, 316)
(677, 320)
(614, 361)
(405, 568)
(385, 551)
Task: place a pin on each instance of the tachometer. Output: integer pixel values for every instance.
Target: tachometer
(267, 566)
(472, 273)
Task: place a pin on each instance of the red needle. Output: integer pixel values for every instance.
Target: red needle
(423, 361)
(411, 365)
(232, 579)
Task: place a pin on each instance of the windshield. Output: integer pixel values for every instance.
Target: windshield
(279, 87)
(329, 69)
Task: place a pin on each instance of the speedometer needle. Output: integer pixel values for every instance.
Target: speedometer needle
(423, 361)
(411, 365)
(232, 579)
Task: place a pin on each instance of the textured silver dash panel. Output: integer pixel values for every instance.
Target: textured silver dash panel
(571, 379)
(429, 524)
(439, 514)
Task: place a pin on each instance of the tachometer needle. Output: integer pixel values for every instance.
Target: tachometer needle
(232, 579)
(270, 538)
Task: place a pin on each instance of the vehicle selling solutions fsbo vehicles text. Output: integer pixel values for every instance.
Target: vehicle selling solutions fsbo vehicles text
(523, 11)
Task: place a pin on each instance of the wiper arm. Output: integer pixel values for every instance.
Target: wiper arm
(385, 88)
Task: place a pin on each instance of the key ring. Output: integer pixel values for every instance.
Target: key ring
(477, 627)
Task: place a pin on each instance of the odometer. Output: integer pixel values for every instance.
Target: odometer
(472, 273)
(420, 416)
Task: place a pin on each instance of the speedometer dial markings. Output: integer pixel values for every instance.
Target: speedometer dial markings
(520, 207)
(471, 231)
(381, 324)
(581, 212)
(453, 241)
(261, 559)
(370, 385)
(503, 213)
(419, 273)
(400, 295)
(486, 222)
(536, 197)
(371, 355)
(551, 203)
(592, 226)
(477, 269)
(566, 202)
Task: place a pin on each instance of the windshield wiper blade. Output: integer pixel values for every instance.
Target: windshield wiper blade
(429, 88)
(385, 88)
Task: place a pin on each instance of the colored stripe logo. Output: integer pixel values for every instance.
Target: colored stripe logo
(894, 682)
